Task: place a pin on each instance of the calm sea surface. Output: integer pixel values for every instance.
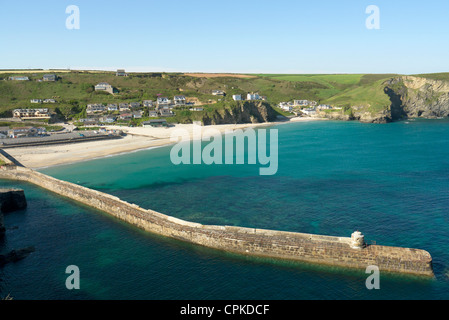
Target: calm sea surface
(389, 181)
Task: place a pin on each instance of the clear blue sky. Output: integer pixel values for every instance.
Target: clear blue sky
(246, 36)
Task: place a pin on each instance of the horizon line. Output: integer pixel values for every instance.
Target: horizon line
(209, 72)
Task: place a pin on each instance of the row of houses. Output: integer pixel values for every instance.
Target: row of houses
(46, 77)
(32, 114)
(112, 107)
(125, 106)
(288, 106)
(109, 119)
(249, 97)
(20, 132)
(305, 107)
(39, 101)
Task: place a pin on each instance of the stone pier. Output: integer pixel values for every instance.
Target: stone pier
(349, 252)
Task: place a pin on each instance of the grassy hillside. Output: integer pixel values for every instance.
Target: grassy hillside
(435, 76)
(345, 90)
(370, 95)
(75, 89)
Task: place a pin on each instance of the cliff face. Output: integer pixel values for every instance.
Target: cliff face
(359, 114)
(242, 112)
(410, 97)
(383, 116)
(415, 97)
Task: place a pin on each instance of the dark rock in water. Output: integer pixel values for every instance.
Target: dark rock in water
(15, 255)
(2, 226)
(12, 200)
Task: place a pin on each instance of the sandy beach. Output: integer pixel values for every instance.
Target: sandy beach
(138, 138)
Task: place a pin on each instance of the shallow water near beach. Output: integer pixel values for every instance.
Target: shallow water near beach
(389, 181)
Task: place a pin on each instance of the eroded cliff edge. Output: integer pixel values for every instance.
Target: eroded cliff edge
(409, 97)
(242, 112)
(416, 97)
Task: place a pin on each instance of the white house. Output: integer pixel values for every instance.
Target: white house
(237, 97)
(163, 101)
(36, 101)
(309, 111)
(104, 86)
(95, 108)
(301, 103)
(286, 106)
(179, 100)
(252, 96)
(123, 107)
(26, 114)
(19, 78)
(112, 107)
(218, 93)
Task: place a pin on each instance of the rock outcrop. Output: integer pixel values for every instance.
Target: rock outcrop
(242, 112)
(15, 255)
(12, 200)
(368, 117)
(2, 226)
(410, 97)
(416, 97)
(358, 114)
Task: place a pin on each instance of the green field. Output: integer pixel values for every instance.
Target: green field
(435, 76)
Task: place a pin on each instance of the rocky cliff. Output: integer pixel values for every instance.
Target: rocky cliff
(359, 114)
(414, 97)
(241, 112)
(409, 96)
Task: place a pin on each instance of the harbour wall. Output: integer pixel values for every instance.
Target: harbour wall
(328, 250)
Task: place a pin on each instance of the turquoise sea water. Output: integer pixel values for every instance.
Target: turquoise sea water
(389, 181)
